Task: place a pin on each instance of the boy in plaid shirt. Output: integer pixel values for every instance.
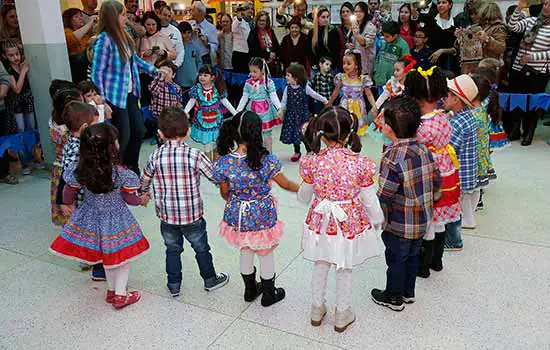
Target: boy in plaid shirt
(323, 83)
(175, 169)
(408, 186)
(164, 91)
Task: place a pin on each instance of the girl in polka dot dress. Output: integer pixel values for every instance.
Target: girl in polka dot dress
(345, 218)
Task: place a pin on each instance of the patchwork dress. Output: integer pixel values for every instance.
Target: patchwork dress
(352, 91)
(484, 162)
(261, 98)
(59, 136)
(102, 229)
(208, 115)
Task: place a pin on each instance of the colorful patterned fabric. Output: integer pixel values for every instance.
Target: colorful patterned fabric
(498, 140)
(408, 181)
(392, 89)
(352, 91)
(208, 115)
(59, 136)
(435, 133)
(464, 141)
(259, 102)
(174, 169)
(71, 153)
(338, 175)
(113, 77)
(483, 156)
(163, 95)
(102, 229)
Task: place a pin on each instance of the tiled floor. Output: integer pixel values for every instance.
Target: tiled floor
(491, 295)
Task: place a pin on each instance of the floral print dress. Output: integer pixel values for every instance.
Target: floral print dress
(352, 91)
(484, 162)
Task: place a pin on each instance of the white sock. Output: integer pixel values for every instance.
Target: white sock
(121, 281)
(267, 266)
(247, 261)
(110, 275)
(319, 282)
(469, 203)
(343, 289)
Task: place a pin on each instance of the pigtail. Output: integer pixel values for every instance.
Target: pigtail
(354, 141)
(219, 83)
(314, 132)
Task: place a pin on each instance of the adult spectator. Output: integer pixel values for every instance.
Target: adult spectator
(464, 19)
(319, 35)
(340, 37)
(249, 17)
(529, 73)
(262, 42)
(295, 46)
(225, 43)
(115, 72)
(241, 31)
(77, 31)
(157, 7)
(407, 27)
(133, 26)
(132, 6)
(441, 36)
(374, 5)
(299, 11)
(172, 33)
(9, 25)
(89, 9)
(205, 32)
(364, 38)
(512, 47)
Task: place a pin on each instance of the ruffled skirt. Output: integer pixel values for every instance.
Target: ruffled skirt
(262, 242)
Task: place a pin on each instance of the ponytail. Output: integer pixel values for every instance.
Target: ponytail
(354, 141)
(219, 83)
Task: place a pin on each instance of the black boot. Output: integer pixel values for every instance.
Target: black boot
(252, 289)
(438, 244)
(515, 132)
(271, 295)
(530, 124)
(425, 258)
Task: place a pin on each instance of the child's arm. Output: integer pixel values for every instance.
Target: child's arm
(315, 95)
(190, 105)
(205, 167)
(388, 183)
(372, 205)
(229, 106)
(285, 183)
(17, 86)
(275, 99)
(242, 102)
(334, 95)
(281, 114)
(147, 175)
(372, 102)
(156, 84)
(224, 190)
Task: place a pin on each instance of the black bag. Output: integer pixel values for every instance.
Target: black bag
(531, 72)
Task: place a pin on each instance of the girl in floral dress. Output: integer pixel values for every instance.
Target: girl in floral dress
(62, 95)
(250, 222)
(207, 95)
(345, 217)
(260, 97)
(102, 229)
(427, 87)
(353, 85)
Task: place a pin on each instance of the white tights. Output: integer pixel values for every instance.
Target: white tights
(117, 279)
(267, 265)
(343, 286)
(469, 204)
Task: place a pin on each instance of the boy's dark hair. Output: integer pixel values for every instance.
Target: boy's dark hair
(159, 4)
(173, 122)
(58, 84)
(170, 65)
(423, 31)
(61, 99)
(324, 59)
(243, 128)
(298, 72)
(403, 116)
(77, 114)
(86, 86)
(185, 27)
(334, 124)
(391, 28)
(431, 88)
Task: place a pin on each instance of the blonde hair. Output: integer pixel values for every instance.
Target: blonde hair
(109, 23)
(490, 13)
(315, 37)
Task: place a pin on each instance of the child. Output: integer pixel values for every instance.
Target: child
(174, 166)
(207, 94)
(480, 114)
(260, 97)
(427, 88)
(188, 71)
(391, 50)
(421, 52)
(345, 217)
(59, 133)
(294, 107)
(323, 82)
(408, 186)
(353, 86)
(102, 229)
(250, 223)
(164, 92)
(461, 96)
(393, 88)
(91, 95)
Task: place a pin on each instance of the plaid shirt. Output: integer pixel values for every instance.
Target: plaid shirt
(164, 95)
(408, 180)
(71, 153)
(111, 76)
(464, 141)
(175, 170)
(323, 83)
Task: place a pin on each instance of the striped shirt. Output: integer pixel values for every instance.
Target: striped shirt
(175, 170)
(114, 79)
(539, 51)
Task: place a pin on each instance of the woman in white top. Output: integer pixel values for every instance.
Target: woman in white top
(241, 30)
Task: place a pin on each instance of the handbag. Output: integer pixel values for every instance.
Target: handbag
(531, 72)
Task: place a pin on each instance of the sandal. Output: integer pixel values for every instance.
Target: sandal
(10, 180)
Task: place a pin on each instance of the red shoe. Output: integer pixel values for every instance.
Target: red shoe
(110, 296)
(121, 301)
(295, 157)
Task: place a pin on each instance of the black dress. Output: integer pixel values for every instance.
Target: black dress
(337, 40)
(321, 50)
(439, 38)
(256, 48)
(299, 53)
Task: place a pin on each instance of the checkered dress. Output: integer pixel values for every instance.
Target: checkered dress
(464, 140)
(70, 158)
(323, 83)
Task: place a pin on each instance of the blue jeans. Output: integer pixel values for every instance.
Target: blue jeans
(402, 260)
(196, 235)
(453, 236)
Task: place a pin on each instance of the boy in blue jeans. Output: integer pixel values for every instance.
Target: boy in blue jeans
(174, 169)
(408, 186)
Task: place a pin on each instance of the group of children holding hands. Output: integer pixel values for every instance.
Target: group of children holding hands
(431, 173)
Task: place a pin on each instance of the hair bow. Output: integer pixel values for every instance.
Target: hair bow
(412, 62)
(426, 73)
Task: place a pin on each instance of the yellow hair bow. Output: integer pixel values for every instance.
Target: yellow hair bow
(426, 73)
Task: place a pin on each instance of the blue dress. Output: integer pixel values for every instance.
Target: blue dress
(296, 115)
(208, 115)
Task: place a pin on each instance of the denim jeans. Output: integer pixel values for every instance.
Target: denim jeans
(196, 235)
(453, 237)
(402, 259)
